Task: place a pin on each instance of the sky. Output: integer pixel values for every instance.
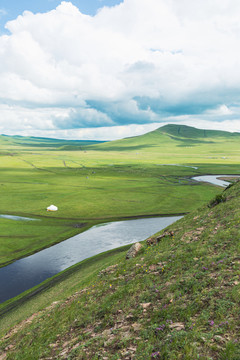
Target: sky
(108, 69)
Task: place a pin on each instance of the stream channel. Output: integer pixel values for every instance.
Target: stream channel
(30, 271)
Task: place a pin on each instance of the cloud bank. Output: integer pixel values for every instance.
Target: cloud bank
(142, 62)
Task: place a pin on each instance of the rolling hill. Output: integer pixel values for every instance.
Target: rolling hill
(169, 135)
(193, 133)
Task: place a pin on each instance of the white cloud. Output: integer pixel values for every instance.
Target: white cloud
(226, 125)
(143, 61)
(222, 110)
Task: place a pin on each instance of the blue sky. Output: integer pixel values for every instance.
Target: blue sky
(12, 8)
(107, 69)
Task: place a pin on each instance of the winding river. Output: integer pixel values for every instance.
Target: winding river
(30, 271)
(25, 273)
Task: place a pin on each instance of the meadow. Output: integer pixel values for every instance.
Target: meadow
(98, 182)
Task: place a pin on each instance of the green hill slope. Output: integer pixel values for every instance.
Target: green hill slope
(191, 132)
(178, 299)
(169, 135)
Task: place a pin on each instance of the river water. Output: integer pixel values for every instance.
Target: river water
(214, 179)
(17, 218)
(25, 273)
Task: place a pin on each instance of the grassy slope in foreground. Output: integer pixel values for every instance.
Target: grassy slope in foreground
(176, 300)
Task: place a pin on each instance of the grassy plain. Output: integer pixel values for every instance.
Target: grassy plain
(140, 176)
(178, 299)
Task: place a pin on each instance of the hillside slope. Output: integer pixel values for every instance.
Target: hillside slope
(178, 299)
(191, 132)
(169, 135)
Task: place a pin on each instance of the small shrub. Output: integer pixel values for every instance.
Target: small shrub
(217, 200)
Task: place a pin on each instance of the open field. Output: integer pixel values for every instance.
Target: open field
(103, 182)
(178, 299)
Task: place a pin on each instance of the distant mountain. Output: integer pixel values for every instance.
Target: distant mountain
(32, 141)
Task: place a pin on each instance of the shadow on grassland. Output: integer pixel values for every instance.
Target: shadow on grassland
(120, 148)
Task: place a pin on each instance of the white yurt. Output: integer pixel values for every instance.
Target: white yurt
(52, 208)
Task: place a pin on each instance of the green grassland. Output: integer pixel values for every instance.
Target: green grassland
(178, 299)
(100, 182)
